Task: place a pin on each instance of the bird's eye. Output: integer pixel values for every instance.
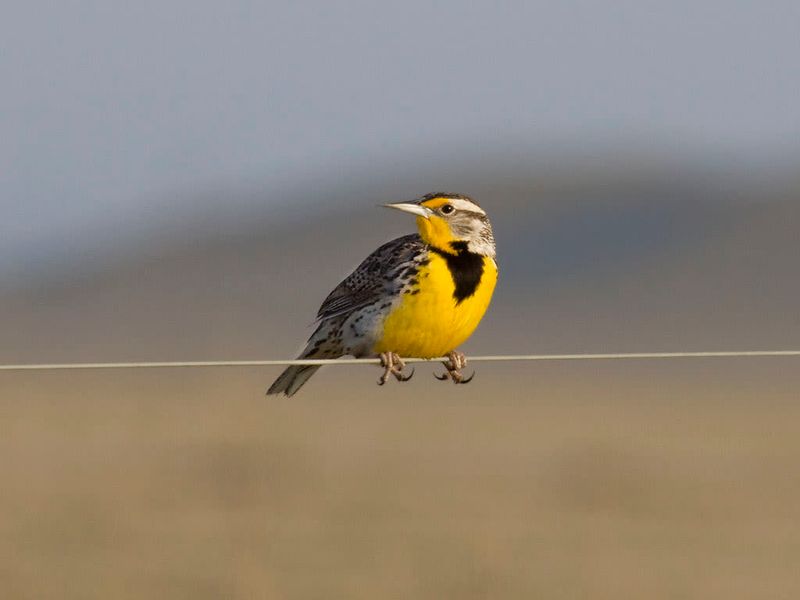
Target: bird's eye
(447, 209)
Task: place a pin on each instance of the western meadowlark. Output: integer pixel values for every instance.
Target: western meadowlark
(421, 295)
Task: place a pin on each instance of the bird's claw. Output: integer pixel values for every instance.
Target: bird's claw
(456, 361)
(402, 377)
(393, 366)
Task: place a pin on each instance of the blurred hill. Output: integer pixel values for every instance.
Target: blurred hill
(605, 480)
(590, 261)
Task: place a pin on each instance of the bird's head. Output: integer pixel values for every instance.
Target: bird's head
(451, 223)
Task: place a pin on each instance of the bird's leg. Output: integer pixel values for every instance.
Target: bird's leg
(456, 361)
(393, 365)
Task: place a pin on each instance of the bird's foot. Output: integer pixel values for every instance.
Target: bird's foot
(456, 361)
(393, 365)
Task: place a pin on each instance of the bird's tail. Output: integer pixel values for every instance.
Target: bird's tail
(321, 344)
(292, 379)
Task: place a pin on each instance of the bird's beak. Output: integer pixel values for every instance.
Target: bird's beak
(414, 209)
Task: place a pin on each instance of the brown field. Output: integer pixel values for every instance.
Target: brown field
(663, 479)
(562, 482)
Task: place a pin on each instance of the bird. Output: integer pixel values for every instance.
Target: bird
(420, 295)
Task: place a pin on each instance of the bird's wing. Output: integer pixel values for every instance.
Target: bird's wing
(373, 279)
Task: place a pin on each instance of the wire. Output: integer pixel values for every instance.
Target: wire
(376, 361)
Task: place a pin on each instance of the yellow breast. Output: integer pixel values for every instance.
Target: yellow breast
(431, 322)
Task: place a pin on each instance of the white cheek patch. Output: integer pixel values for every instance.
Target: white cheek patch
(460, 204)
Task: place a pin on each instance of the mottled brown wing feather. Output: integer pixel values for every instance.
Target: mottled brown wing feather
(373, 279)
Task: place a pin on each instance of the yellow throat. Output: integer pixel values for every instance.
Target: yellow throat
(453, 291)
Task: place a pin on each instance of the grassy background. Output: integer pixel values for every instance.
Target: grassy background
(565, 482)
(605, 480)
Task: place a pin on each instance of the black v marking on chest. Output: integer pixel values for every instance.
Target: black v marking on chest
(466, 269)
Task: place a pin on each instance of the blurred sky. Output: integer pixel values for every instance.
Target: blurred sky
(110, 110)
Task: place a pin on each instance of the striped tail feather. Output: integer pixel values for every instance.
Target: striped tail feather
(322, 344)
(292, 379)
